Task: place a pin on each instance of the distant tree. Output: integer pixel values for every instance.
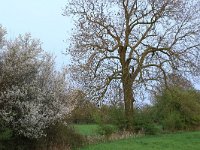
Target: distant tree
(33, 95)
(84, 110)
(174, 80)
(137, 42)
(180, 81)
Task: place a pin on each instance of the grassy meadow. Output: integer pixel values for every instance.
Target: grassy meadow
(86, 129)
(176, 141)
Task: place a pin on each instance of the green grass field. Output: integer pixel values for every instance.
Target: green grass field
(177, 141)
(86, 129)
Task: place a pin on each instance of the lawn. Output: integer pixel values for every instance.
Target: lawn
(178, 141)
(86, 129)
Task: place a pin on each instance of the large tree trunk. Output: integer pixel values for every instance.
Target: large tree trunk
(128, 100)
(127, 87)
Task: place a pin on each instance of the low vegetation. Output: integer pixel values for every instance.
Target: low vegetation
(182, 141)
(86, 129)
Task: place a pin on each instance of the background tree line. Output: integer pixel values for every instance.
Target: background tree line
(172, 109)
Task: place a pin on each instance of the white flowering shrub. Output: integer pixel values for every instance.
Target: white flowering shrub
(33, 95)
(2, 34)
(29, 110)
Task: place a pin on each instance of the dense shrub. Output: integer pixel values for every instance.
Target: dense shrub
(106, 129)
(178, 109)
(61, 136)
(10, 141)
(152, 129)
(103, 115)
(144, 122)
(173, 121)
(58, 136)
(118, 117)
(111, 115)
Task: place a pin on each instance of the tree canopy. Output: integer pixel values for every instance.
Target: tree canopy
(137, 42)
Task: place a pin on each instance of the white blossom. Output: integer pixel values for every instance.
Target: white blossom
(33, 95)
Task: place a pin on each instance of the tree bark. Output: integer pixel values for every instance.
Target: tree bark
(128, 100)
(127, 83)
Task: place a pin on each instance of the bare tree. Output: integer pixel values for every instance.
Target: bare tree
(135, 41)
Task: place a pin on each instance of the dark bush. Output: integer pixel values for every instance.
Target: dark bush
(10, 141)
(62, 137)
(144, 121)
(5, 134)
(58, 136)
(17, 142)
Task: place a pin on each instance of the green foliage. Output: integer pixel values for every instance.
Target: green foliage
(178, 109)
(144, 123)
(107, 117)
(152, 129)
(173, 122)
(118, 117)
(142, 120)
(103, 115)
(83, 114)
(111, 115)
(106, 129)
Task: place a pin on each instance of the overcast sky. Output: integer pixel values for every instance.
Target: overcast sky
(43, 19)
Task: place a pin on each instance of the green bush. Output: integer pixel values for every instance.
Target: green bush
(118, 118)
(173, 122)
(152, 129)
(106, 130)
(178, 109)
(144, 123)
(112, 115)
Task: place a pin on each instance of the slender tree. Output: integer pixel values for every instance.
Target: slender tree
(134, 41)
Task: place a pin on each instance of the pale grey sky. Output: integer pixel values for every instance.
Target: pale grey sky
(43, 19)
